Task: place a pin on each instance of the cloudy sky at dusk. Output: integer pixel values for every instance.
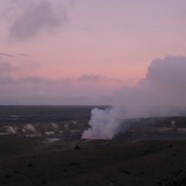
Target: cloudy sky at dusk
(84, 51)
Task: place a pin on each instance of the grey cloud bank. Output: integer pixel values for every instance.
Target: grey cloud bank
(161, 93)
(27, 19)
(41, 90)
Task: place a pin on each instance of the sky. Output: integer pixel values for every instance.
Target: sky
(77, 52)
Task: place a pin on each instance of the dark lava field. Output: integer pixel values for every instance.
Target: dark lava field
(142, 156)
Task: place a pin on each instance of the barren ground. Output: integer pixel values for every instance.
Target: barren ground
(97, 162)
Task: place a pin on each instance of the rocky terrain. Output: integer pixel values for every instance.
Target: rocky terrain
(47, 149)
(44, 122)
(98, 162)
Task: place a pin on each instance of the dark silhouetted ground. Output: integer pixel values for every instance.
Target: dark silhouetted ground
(98, 162)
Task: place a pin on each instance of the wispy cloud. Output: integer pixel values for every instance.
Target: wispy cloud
(97, 78)
(6, 54)
(16, 67)
(27, 19)
(90, 78)
(6, 67)
(23, 54)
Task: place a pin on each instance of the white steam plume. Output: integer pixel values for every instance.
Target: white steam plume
(161, 93)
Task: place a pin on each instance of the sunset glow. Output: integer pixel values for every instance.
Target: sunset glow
(82, 52)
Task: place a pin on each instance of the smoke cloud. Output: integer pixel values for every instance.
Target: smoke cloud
(161, 93)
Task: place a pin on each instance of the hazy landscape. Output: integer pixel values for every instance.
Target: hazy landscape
(92, 93)
(42, 145)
